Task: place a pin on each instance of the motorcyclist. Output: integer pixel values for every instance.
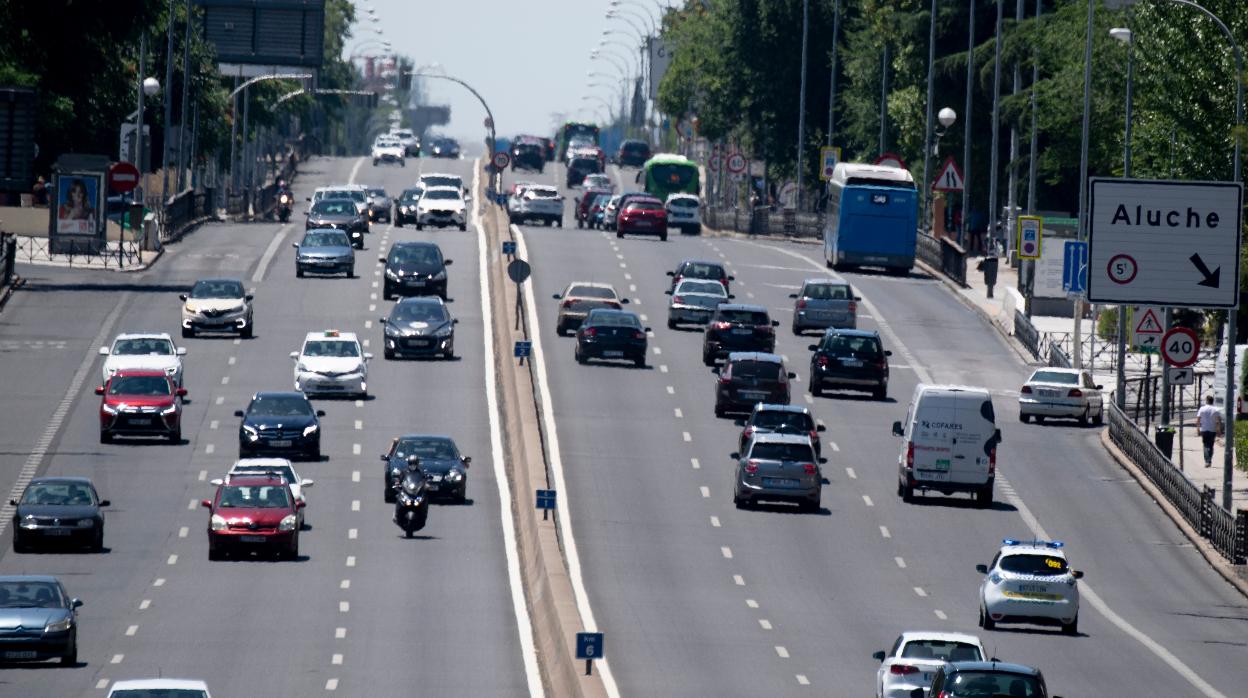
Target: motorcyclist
(411, 478)
(285, 200)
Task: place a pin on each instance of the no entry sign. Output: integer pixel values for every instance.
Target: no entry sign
(123, 177)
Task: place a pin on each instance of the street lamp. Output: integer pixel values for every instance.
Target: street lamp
(946, 117)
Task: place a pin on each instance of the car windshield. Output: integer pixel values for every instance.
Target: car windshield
(334, 207)
(418, 312)
(441, 182)
(255, 497)
(435, 448)
(330, 347)
(744, 317)
(325, 239)
(643, 206)
(284, 470)
(702, 271)
(990, 684)
(58, 494)
(1055, 377)
(410, 195)
(827, 292)
(1040, 565)
(280, 406)
(781, 421)
(25, 594)
(591, 292)
(583, 164)
(149, 346)
(139, 385)
(944, 650)
(415, 254)
(713, 288)
(761, 370)
(846, 347)
(612, 318)
(217, 289)
(378, 193)
(543, 193)
(790, 452)
(159, 693)
(442, 194)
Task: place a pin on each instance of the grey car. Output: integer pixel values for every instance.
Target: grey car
(324, 252)
(694, 301)
(379, 204)
(419, 326)
(63, 510)
(824, 303)
(778, 467)
(38, 620)
(341, 215)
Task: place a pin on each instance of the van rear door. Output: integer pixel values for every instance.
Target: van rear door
(935, 425)
(973, 442)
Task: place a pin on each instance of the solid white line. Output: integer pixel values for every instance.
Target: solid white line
(355, 170)
(556, 466)
(263, 267)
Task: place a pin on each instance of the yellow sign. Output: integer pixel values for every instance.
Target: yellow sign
(1029, 237)
(828, 157)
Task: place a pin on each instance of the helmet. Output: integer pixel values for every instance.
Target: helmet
(413, 462)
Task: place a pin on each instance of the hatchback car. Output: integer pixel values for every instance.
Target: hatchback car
(748, 378)
(58, 510)
(738, 327)
(419, 326)
(331, 363)
(778, 467)
(279, 423)
(1030, 582)
(445, 148)
(694, 301)
(217, 305)
(1063, 393)
(414, 269)
(915, 657)
(405, 207)
(824, 303)
(380, 205)
(580, 297)
(698, 269)
(529, 154)
(324, 252)
(991, 678)
(611, 334)
(642, 217)
(283, 468)
(159, 688)
(780, 419)
(255, 513)
(850, 359)
(38, 620)
(140, 402)
(339, 214)
(445, 469)
(633, 153)
(683, 213)
(152, 350)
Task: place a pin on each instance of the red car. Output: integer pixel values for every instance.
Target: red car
(642, 217)
(253, 513)
(583, 205)
(140, 402)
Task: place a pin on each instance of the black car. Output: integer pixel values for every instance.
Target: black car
(446, 471)
(414, 269)
(445, 148)
(748, 378)
(738, 327)
(379, 204)
(850, 359)
(419, 326)
(58, 510)
(611, 334)
(528, 155)
(340, 214)
(280, 423)
(633, 153)
(324, 252)
(405, 207)
(990, 678)
(578, 167)
(780, 419)
(38, 620)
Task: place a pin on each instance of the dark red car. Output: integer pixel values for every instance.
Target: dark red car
(253, 513)
(140, 402)
(584, 203)
(642, 216)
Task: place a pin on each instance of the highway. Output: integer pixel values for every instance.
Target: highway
(698, 598)
(362, 610)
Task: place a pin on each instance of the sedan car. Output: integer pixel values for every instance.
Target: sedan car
(991, 678)
(600, 181)
(780, 419)
(283, 468)
(140, 402)
(379, 204)
(279, 423)
(38, 620)
(748, 378)
(159, 688)
(414, 269)
(441, 206)
(915, 657)
(737, 327)
(778, 467)
(389, 150)
(217, 305)
(579, 298)
(699, 269)
(1030, 582)
(824, 303)
(324, 252)
(642, 217)
(151, 350)
(419, 326)
(446, 471)
(340, 214)
(611, 334)
(633, 153)
(405, 207)
(254, 513)
(331, 363)
(1064, 393)
(694, 301)
(850, 359)
(58, 510)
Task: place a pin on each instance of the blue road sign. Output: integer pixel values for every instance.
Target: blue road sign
(509, 247)
(523, 349)
(545, 499)
(1075, 267)
(589, 645)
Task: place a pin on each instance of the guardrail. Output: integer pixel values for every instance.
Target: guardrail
(761, 220)
(184, 211)
(942, 254)
(1057, 357)
(1026, 333)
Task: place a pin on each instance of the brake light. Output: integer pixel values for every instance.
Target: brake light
(614, 304)
(992, 460)
(721, 325)
(751, 467)
(814, 436)
(567, 303)
(801, 303)
(749, 431)
(1026, 390)
(1075, 392)
(853, 306)
(764, 328)
(638, 334)
(724, 281)
(910, 455)
(678, 299)
(903, 669)
(591, 331)
(809, 468)
(823, 361)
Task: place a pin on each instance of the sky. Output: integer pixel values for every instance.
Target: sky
(527, 58)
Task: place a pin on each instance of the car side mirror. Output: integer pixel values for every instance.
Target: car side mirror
(1078, 574)
(320, 413)
(307, 198)
(76, 603)
(731, 296)
(181, 392)
(180, 351)
(857, 298)
(103, 351)
(13, 502)
(384, 456)
(888, 353)
(381, 260)
(295, 244)
(813, 347)
(982, 569)
(216, 482)
(1099, 386)
(775, 323)
(732, 278)
(294, 355)
(739, 422)
(623, 301)
(106, 503)
(455, 321)
(448, 262)
(368, 356)
(249, 298)
(667, 293)
(383, 320)
(555, 296)
(671, 273)
(792, 295)
(997, 436)
(238, 413)
(919, 692)
(99, 390)
(878, 656)
(182, 296)
(735, 455)
(792, 374)
(205, 503)
(897, 430)
(715, 370)
(822, 460)
(820, 427)
(300, 504)
(307, 213)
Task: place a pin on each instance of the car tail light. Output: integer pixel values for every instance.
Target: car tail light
(809, 468)
(591, 332)
(614, 304)
(823, 360)
(992, 460)
(567, 303)
(638, 334)
(910, 455)
(765, 329)
(1026, 390)
(724, 281)
(814, 436)
(751, 467)
(903, 669)
(678, 299)
(853, 306)
(721, 325)
(1075, 392)
(801, 303)
(749, 431)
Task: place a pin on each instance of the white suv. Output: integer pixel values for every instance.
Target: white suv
(683, 213)
(387, 149)
(151, 350)
(331, 362)
(1030, 582)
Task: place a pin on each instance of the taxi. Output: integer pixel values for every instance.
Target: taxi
(1030, 582)
(331, 363)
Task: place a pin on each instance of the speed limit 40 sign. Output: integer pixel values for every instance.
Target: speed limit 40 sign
(1180, 347)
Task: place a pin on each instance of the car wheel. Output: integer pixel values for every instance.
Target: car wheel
(671, 324)
(97, 543)
(560, 330)
(558, 222)
(1024, 417)
(176, 436)
(740, 502)
(580, 223)
(1071, 628)
(708, 359)
(797, 331)
(816, 388)
(398, 222)
(720, 412)
(19, 546)
(315, 454)
(1039, 418)
(580, 358)
(880, 393)
(386, 293)
(663, 237)
(1083, 418)
(1099, 419)
(350, 272)
(215, 553)
(812, 505)
(187, 332)
(983, 497)
(420, 226)
(907, 492)
(249, 331)
(293, 551)
(70, 658)
(619, 233)
(985, 621)
(640, 362)
(389, 354)
(389, 498)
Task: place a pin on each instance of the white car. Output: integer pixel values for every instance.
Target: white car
(217, 305)
(440, 179)
(388, 150)
(541, 203)
(514, 197)
(441, 206)
(409, 141)
(149, 350)
(1030, 582)
(599, 180)
(916, 656)
(281, 466)
(146, 688)
(333, 363)
(1067, 393)
(683, 213)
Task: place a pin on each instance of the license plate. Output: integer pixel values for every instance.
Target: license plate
(435, 478)
(1050, 393)
(743, 331)
(418, 342)
(1032, 588)
(56, 532)
(252, 539)
(414, 283)
(612, 354)
(20, 654)
(753, 394)
(141, 421)
(277, 443)
(931, 475)
(325, 264)
(780, 482)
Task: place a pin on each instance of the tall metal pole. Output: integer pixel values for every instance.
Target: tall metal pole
(186, 93)
(801, 103)
(884, 100)
(1011, 197)
(1029, 266)
(244, 163)
(1122, 309)
(993, 214)
(836, 38)
(138, 121)
(165, 149)
(1077, 335)
(966, 114)
(927, 128)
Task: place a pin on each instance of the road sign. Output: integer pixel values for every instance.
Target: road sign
(1146, 329)
(523, 349)
(949, 178)
(500, 160)
(519, 270)
(1029, 238)
(1180, 376)
(828, 157)
(890, 160)
(1075, 267)
(736, 163)
(1164, 242)
(589, 645)
(714, 162)
(509, 247)
(123, 177)
(1180, 347)
(545, 499)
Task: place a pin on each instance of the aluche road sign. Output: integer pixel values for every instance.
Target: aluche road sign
(1029, 238)
(1180, 347)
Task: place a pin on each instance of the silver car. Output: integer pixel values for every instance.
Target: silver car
(694, 301)
(380, 205)
(778, 467)
(1067, 393)
(824, 303)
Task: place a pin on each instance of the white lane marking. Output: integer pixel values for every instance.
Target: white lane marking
(263, 267)
(220, 399)
(715, 521)
(158, 582)
(355, 170)
(782, 652)
(941, 614)
(555, 457)
(203, 475)
(336, 659)
(738, 580)
(627, 276)
(101, 684)
(183, 532)
(173, 559)
(340, 633)
(850, 472)
(694, 462)
(145, 604)
(359, 403)
(644, 318)
(214, 424)
(671, 390)
(352, 533)
(662, 368)
(679, 415)
(764, 623)
(372, 297)
(193, 503)
(632, 288)
(359, 424)
(40, 449)
(365, 343)
(686, 436)
(834, 446)
(657, 351)
(372, 307)
(867, 500)
(355, 449)
(209, 449)
(801, 679)
(706, 491)
(232, 360)
(809, 400)
(117, 659)
(749, 294)
(374, 284)
(344, 584)
(751, 603)
(726, 552)
(344, 606)
(623, 265)
(884, 532)
(920, 592)
(238, 341)
(350, 561)
(900, 562)
(619, 256)
(225, 380)
(130, 631)
(368, 324)
(355, 475)
(355, 505)
(331, 684)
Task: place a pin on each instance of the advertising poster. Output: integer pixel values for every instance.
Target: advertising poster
(78, 211)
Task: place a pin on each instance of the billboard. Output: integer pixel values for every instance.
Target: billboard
(660, 59)
(77, 221)
(276, 33)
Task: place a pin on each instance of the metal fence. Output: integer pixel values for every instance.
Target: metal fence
(185, 211)
(8, 254)
(1026, 333)
(762, 220)
(942, 254)
(1057, 357)
(114, 254)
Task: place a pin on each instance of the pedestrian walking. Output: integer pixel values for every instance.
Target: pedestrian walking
(1209, 424)
(40, 192)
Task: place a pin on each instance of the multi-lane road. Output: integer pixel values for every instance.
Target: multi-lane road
(695, 596)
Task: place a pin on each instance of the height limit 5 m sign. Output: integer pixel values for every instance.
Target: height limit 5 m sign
(1173, 243)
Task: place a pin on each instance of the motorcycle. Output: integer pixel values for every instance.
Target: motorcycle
(411, 502)
(284, 203)
(357, 239)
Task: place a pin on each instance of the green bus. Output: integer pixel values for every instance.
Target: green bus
(670, 174)
(574, 129)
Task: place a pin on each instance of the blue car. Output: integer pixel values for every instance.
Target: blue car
(38, 620)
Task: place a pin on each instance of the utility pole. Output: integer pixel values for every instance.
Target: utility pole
(1028, 265)
(836, 38)
(138, 122)
(801, 104)
(966, 147)
(927, 128)
(1077, 335)
(884, 100)
(993, 213)
(1011, 198)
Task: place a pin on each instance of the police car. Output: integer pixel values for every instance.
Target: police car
(331, 363)
(1030, 582)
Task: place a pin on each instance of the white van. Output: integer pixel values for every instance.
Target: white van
(1219, 381)
(950, 443)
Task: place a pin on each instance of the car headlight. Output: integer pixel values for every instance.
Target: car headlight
(191, 309)
(250, 431)
(311, 429)
(440, 276)
(454, 475)
(169, 410)
(217, 523)
(403, 209)
(287, 524)
(86, 523)
(302, 368)
(390, 273)
(108, 409)
(59, 626)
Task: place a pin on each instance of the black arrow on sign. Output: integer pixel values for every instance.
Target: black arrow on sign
(1212, 279)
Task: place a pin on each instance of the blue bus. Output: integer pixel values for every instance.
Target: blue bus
(871, 219)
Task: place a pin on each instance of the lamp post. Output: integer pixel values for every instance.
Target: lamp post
(993, 214)
(946, 117)
(1125, 35)
(146, 87)
(966, 147)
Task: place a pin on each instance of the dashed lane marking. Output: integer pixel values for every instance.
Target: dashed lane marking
(941, 614)
(183, 532)
(344, 606)
(203, 475)
(355, 475)
(350, 561)
(715, 521)
(130, 631)
(336, 659)
(331, 684)
(117, 659)
(679, 415)
(764, 623)
(158, 582)
(145, 604)
(738, 580)
(173, 559)
(726, 552)
(920, 592)
(695, 463)
(866, 499)
(751, 603)
(340, 633)
(101, 684)
(706, 491)
(671, 390)
(355, 451)
(355, 505)
(900, 562)
(884, 532)
(686, 436)
(850, 472)
(782, 652)
(344, 584)
(801, 679)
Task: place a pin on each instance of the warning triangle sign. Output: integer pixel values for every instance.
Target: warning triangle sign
(1148, 323)
(949, 178)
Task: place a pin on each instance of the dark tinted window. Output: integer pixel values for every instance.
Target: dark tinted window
(591, 292)
(153, 386)
(790, 452)
(410, 195)
(440, 181)
(643, 206)
(698, 270)
(827, 292)
(426, 447)
(1040, 565)
(30, 595)
(762, 370)
(1055, 377)
(257, 496)
(868, 181)
(160, 693)
(217, 288)
(415, 254)
(990, 684)
(675, 176)
(744, 317)
(944, 650)
(795, 421)
(334, 207)
(418, 312)
(847, 347)
(58, 494)
(615, 319)
(280, 406)
(326, 238)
